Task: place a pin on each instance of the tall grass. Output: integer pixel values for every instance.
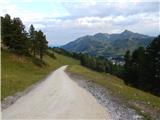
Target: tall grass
(19, 73)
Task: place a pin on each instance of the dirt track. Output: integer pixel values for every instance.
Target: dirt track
(56, 97)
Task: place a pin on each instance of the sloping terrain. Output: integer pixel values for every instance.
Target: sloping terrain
(19, 73)
(57, 97)
(103, 44)
(145, 103)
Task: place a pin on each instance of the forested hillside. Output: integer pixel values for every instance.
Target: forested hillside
(141, 68)
(104, 44)
(20, 73)
(26, 58)
(18, 40)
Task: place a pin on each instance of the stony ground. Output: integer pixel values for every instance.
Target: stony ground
(116, 107)
(57, 97)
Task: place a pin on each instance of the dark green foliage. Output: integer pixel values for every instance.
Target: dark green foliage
(14, 35)
(51, 54)
(153, 63)
(6, 24)
(16, 39)
(142, 68)
(38, 62)
(137, 66)
(41, 43)
(32, 40)
(64, 52)
(19, 36)
(127, 66)
(99, 64)
(134, 66)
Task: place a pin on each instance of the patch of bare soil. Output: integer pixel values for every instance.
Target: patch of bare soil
(17, 58)
(150, 110)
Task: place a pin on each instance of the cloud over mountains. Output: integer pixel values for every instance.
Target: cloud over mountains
(63, 21)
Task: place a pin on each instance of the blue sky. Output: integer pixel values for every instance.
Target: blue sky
(65, 20)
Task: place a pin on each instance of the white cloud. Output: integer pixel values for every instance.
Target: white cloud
(87, 17)
(29, 15)
(39, 26)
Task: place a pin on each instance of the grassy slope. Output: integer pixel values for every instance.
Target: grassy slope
(19, 74)
(117, 87)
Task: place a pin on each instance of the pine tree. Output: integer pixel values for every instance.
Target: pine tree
(41, 43)
(32, 40)
(153, 63)
(6, 27)
(127, 66)
(137, 67)
(19, 42)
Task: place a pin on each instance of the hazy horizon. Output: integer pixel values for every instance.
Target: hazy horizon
(64, 21)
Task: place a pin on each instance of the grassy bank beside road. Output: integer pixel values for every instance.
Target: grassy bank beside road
(19, 73)
(145, 103)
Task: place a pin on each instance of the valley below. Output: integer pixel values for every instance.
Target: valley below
(80, 60)
(111, 97)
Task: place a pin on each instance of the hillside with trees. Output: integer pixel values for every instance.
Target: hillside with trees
(142, 67)
(21, 42)
(25, 57)
(104, 44)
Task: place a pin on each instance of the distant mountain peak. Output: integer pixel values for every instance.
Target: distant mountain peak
(104, 44)
(100, 34)
(126, 32)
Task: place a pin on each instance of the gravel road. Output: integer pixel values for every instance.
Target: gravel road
(57, 97)
(118, 110)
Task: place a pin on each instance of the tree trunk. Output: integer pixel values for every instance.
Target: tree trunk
(41, 55)
(34, 52)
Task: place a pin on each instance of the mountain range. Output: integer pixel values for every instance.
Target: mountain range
(104, 44)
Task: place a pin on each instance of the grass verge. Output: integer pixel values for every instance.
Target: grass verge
(146, 103)
(19, 73)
